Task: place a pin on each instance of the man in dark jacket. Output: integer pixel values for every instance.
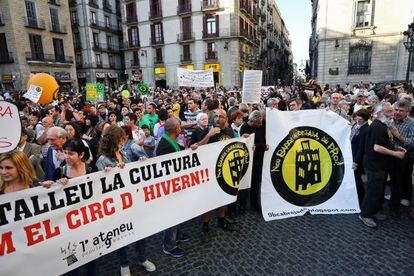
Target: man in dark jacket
(55, 157)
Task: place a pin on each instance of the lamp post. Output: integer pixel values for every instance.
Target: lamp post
(409, 45)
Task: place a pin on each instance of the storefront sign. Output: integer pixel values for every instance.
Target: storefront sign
(159, 70)
(214, 66)
(100, 75)
(62, 75)
(113, 75)
(81, 75)
(7, 78)
(188, 67)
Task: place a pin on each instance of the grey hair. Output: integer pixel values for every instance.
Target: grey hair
(272, 101)
(60, 132)
(403, 104)
(255, 115)
(231, 101)
(373, 98)
(406, 98)
(378, 108)
(201, 116)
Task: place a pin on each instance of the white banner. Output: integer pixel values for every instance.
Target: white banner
(10, 126)
(195, 78)
(308, 166)
(52, 231)
(252, 86)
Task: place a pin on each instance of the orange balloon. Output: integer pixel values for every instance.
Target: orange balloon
(47, 83)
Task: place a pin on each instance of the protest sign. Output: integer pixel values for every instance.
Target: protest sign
(33, 93)
(91, 92)
(195, 78)
(10, 126)
(100, 92)
(252, 86)
(62, 228)
(308, 166)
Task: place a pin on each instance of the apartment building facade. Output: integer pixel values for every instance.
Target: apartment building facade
(35, 37)
(97, 38)
(161, 35)
(359, 40)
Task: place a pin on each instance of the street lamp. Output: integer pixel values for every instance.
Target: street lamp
(409, 45)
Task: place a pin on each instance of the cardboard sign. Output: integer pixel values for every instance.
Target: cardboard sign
(10, 127)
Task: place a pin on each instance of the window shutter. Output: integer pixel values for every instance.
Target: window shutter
(153, 33)
(204, 25)
(162, 32)
(217, 24)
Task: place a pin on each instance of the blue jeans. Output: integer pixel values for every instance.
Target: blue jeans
(170, 238)
(140, 248)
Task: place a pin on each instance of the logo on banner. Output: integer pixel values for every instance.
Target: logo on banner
(231, 166)
(307, 167)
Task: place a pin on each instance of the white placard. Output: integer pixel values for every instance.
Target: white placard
(34, 93)
(195, 78)
(252, 86)
(308, 167)
(10, 126)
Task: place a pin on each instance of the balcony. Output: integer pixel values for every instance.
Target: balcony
(134, 44)
(100, 25)
(210, 5)
(6, 57)
(185, 37)
(54, 2)
(72, 3)
(186, 58)
(158, 61)
(58, 28)
(94, 4)
(245, 8)
(155, 14)
(35, 57)
(135, 63)
(211, 55)
(107, 7)
(210, 35)
(359, 70)
(131, 19)
(156, 41)
(184, 9)
(34, 23)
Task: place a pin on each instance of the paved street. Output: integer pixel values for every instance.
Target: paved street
(309, 245)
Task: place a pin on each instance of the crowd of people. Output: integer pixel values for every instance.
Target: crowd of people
(72, 137)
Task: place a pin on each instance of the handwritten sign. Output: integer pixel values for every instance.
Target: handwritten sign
(10, 127)
(252, 86)
(195, 78)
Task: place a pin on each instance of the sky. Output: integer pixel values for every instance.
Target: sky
(297, 15)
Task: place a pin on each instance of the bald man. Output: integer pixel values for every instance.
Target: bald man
(334, 106)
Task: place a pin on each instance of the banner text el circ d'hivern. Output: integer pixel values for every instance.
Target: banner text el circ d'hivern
(52, 231)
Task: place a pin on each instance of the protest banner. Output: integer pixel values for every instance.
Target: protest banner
(308, 166)
(100, 92)
(252, 86)
(10, 126)
(52, 231)
(91, 92)
(195, 78)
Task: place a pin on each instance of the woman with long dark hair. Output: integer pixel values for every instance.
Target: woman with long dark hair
(111, 155)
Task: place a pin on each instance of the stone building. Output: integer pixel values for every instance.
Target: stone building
(161, 35)
(97, 38)
(359, 40)
(35, 37)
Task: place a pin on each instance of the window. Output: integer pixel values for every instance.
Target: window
(111, 61)
(360, 58)
(36, 46)
(211, 25)
(3, 45)
(363, 13)
(186, 52)
(412, 63)
(107, 21)
(98, 60)
(135, 58)
(158, 55)
(54, 18)
(74, 17)
(130, 10)
(96, 39)
(156, 33)
(186, 23)
(78, 59)
(59, 50)
(133, 36)
(93, 17)
(76, 40)
(31, 13)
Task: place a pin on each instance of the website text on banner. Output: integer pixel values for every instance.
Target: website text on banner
(62, 228)
(308, 166)
(195, 78)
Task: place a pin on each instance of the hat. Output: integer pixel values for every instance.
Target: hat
(342, 103)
